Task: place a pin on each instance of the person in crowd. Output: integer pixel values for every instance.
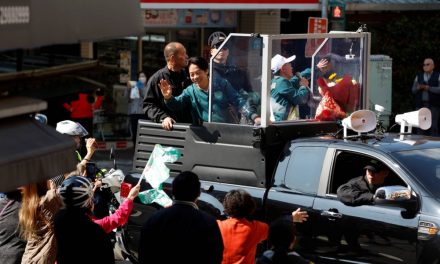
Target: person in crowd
(79, 239)
(136, 94)
(284, 97)
(196, 96)
(237, 77)
(174, 75)
(40, 203)
(426, 89)
(240, 234)
(282, 239)
(121, 215)
(11, 244)
(361, 190)
(77, 132)
(181, 233)
(81, 110)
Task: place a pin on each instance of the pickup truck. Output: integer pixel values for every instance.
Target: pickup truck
(300, 164)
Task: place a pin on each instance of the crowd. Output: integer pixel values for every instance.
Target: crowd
(54, 221)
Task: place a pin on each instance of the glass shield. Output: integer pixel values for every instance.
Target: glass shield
(290, 77)
(316, 76)
(235, 80)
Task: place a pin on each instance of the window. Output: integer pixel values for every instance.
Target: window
(349, 165)
(304, 170)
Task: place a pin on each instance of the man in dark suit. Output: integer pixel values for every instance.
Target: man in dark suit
(426, 89)
(181, 233)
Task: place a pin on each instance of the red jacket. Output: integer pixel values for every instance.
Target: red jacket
(81, 108)
(117, 219)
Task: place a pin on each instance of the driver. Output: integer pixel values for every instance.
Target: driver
(361, 190)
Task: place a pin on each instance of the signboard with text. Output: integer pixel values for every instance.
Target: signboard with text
(190, 18)
(231, 4)
(315, 25)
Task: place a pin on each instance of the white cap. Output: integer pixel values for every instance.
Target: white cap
(71, 128)
(278, 61)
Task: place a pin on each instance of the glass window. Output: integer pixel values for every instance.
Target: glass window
(425, 165)
(304, 170)
(315, 78)
(236, 81)
(301, 76)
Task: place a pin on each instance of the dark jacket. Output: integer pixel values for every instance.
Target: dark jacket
(238, 78)
(434, 98)
(269, 257)
(154, 106)
(80, 240)
(180, 234)
(11, 246)
(357, 191)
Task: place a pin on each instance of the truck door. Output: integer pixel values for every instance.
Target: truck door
(366, 233)
(295, 186)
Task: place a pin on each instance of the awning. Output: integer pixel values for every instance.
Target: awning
(34, 23)
(31, 151)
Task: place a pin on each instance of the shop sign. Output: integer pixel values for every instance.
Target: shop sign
(232, 4)
(191, 18)
(315, 25)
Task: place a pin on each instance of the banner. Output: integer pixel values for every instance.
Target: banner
(232, 4)
(190, 18)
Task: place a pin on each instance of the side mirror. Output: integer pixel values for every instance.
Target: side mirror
(397, 196)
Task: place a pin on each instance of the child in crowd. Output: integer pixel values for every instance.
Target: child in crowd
(240, 234)
(282, 238)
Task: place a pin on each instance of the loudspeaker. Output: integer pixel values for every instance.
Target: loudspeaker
(360, 121)
(421, 118)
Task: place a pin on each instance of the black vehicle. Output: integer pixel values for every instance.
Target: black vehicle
(300, 164)
(307, 176)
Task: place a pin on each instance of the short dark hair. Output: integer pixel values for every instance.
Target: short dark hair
(199, 62)
(239, 203)
(186, 186)
(282, 233)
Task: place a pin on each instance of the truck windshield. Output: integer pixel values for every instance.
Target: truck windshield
(425, 165)
(287, 77)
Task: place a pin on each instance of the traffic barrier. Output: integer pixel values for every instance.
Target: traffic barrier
(121, 144)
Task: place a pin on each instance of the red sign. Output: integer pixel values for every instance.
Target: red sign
(230, 4)
(317, 25)
(234, 1)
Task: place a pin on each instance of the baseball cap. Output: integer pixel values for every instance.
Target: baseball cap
(374, 166)
(217, 41)
(278, 61)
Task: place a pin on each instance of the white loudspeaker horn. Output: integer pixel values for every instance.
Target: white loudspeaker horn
(360, 121)
(421, 118)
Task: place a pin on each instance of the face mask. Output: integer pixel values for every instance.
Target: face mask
(143, 79)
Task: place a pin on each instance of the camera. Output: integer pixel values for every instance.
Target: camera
(91, 171)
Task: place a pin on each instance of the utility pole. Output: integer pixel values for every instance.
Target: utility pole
(324, 5)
